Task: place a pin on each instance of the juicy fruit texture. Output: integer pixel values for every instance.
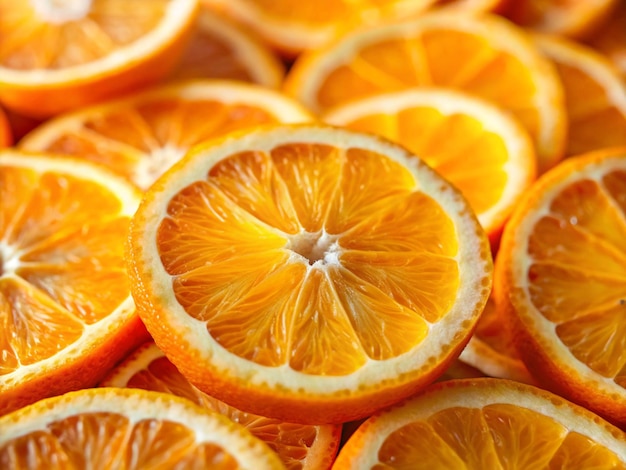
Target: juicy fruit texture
(484, 423)
(131, 429)
(482, 55)
(611, 38)
(305, 447)
(221, 49)
(595, 96)
(481, 150)
(560, 275)
(57, 56)
(339, 278)
(66, 314)
(141, 136)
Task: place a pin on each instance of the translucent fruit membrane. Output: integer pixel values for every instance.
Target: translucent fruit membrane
(300, 250)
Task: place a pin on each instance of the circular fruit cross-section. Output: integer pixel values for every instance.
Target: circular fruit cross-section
(308, 273)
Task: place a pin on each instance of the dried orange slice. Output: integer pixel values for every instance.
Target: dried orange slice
(223, 50)
(574, 18)
(561, 276)
(479, 54)
(292, 27)
(59, 55)
(467, 140)
(595, 96)
(308, 273)
(126, 428)
(610, 39)
(66, 314)
(299, 446)
(476, 424)
(141, 136)
(6, 137)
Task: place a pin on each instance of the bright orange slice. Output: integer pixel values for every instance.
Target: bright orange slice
(610, 39)
(561, 276)
(141, 136)
(223, 50)
(60, 55)
(477, 424)
(6, 137)
(126, 428)
(595, 96)
(574, 18)
(308, 273)
(66, 315)
(480, 149)
(479, 54)
(292, 27)
(299, 446)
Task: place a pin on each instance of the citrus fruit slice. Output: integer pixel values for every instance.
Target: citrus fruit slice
(610, 39)
(561, 273)
(221, 49)
(299, 446)
(574, 18)
(308, 273)
(595, 96)
(59, 55)
(126, 428)
(480, 54)
(484, 423)
(467, 140)
(292, 27)
(141, 136)
(6, 137)
(491, 350)
(495, 6)
(66, 314)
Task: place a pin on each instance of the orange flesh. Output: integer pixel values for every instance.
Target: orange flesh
(29, 42)
(577, 278)
(60, 266)
(141, 141)
(445, 58)
(455, 145)
(497, 436)
(292, 442)
(99, 439)
(340, 255)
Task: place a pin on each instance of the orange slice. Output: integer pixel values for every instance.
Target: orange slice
(292, 27)
(66, 314)
(308, 273)
(56, 56)
(561, 276)
(6, 137)
(125, 428)
(475, 5)
(491, 350)
(610, 39)
(223, 50)
(574, 18)
(479, 54)
(299, 446)
(595, 96)
(476, 424)
(468, 141)
(141, 136)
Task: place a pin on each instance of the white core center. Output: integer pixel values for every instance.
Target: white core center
(318, 248)
(152, 166)
(61, 11)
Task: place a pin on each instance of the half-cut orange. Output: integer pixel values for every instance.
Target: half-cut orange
(127, 428)
(482, 55)
(308, 273)
(299, 446)
(478, 424)
(60, 55)
(66, 315)
(142, 135)
(561, 276)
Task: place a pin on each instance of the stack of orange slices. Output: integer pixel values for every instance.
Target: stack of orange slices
(374, 234)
